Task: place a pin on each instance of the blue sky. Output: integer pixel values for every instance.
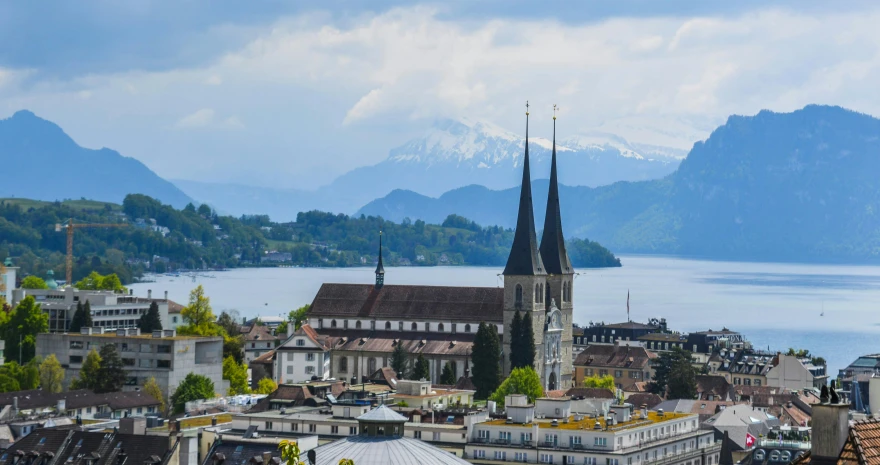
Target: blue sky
(294, 93)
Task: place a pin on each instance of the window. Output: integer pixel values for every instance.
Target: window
(76, 344)
(343, 364)
(601, 442)
(312, 428)
(427, 327)
(345, 324)
(417, 434)
(483, 434)
(310, 370)
(163, 348)
(371, 366)
(415, 327)
(174, 319)
(635, 374)
(163, 363)
(611, 462)
(332, 323)
(467, 328)
(140, 410)
(268, 425)
(774, 456)
(479, 454)
(538, 293)
(76, 359)
(440, 327)
(757, 382)
(334, 429)
(387, 326)
(593, 461)
(500, 455)
(546, 458)
(523, 457)
(357, 325)
(504, 435)
(518, 295)
(618, 373)
(144, 363)
(352, 430)
(300, 342)
(310, 357)
(253, 345)
(289, 369)
(130, 381)
(435, 436)
(400, 326)
(453, 328)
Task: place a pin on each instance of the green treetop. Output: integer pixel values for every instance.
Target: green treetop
(20, 328)
(193, 387)
(33, 282)
(150, 321)
(447, 377)
(521, 381)
(111, 375)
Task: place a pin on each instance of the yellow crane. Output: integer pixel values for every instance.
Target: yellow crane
(70, 226)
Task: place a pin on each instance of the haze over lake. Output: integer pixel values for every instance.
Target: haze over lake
(774, 304)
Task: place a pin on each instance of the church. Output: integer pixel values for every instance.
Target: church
(363, 323)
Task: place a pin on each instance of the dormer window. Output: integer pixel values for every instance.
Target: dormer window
(300, 342)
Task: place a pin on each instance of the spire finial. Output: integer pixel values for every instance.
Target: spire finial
(527, 108)
(555, 109)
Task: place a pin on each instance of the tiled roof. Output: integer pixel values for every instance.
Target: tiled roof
(414, 342)
(260, 333)
(81, 398)
(385, 375)
(465, 384)
(590, 393)
(624, 356)
(629, 325)
(644, 398)
(473, 304)
(715, 386)
(70, 447)
(174, 307)
(266, 358)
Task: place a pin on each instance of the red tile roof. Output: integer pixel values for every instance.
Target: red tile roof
(607, 356)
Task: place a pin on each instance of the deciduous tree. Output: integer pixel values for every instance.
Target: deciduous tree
(236, 374)
(524, 381)
(198, 315)
(51, 374)
(33, 282)
(152, 388)
(485, 356)
(604, 382)
(193, 387)
(266, 386)
(88, 374)
(21, 328)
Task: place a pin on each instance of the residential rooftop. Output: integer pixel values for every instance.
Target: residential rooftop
(113, 334)
(588, 423)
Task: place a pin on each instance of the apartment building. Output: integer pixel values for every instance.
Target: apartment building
(547, 432)
(627, 362)
(304, 355)
(162, 355)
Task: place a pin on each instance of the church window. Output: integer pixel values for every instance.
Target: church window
(453, 328)
(537, 293)
(371, 365)
(467, 328)
(373, 325)
(440, 327)
(388, 326)
(345, 323)
(400, 326)
(415, 327)
(519, 295)
(343, 364)
(333, 323)
(357, 325)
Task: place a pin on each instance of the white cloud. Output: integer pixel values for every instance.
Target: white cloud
(198, 119)
(214, 80)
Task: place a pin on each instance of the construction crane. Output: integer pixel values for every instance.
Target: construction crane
(70, 226)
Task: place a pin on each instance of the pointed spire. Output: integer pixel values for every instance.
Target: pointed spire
(553, 252)
(380, 270)
(524, 259)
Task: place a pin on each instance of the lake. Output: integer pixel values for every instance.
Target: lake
(776, 305)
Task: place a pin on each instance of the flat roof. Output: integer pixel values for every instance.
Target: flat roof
(141, 336)
(587, 423)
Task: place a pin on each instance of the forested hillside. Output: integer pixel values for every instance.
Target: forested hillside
(160, 238)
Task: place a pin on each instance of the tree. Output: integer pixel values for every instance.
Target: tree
(516, 353)
(88, 374)
(51, 374)
(486, 355)
(8, 384)
(229, 322)
(151, 387)
(33, 282)
(266, 386)
(421, 369)
(21, 328)
(523, 380)
(150, 321)
(82, 317)
(682, 381)
(399, 358)
(604, 382)
(233, 346)
(664, 366)
(193, 387)
(290, 452)
(96, 282)
(111, 374)
(299, 316)
(198, 315)
(236, 374)
(447, 377)
(27, 376)
(528, 341)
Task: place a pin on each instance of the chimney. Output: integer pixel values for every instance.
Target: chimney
(267, 456)
(166, 296)
(149, 293)
(830, 428)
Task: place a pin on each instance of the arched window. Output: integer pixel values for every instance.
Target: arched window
(415, 327)
(357, 324)
(440, 327)
(333, 324)
(519, 295)
(427, 327)
(371, 365)
(546, 294)
(537, 293)
(400, 326)
(343, 364)
(467, 328)
(387, 326)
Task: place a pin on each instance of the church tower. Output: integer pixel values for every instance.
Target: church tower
(560, 274)
(380, 270)
(524, 276)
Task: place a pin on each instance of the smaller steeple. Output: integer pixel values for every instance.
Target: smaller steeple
(380, 270)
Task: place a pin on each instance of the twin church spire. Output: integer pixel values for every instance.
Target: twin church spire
(525, 258)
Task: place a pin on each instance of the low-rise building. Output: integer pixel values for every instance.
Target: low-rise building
(601, 333)
(794, 373)
(258, 340)
(422, 395)
(56, 446)
(626, 361)
(82, 403)
(304, 356)
(619, 436)
(162, 355)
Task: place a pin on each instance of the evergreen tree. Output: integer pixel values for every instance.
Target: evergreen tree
(150, 321)
(76, 322)
(193, 387)
(399, 358)
(447, 377)
(111, 376)
(669, 369)
(516, 348)
(528, 342)
(486, 355)
(421, 369)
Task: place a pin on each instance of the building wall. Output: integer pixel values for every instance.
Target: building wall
(399, 325)
(535, 309)
(168, 359)
(789, 373)
(296, 366)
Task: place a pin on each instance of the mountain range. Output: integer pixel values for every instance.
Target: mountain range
(774, 186)
(457, 153)
(41, 162)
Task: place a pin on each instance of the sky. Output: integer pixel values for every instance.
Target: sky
(294, 93)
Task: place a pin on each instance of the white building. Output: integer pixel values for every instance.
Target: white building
(7, 280)
(547, 433)
(790, 373)
(301, 357)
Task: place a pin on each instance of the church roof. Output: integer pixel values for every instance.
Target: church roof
(553, 253)
(463, 304)
(384, 450)
(524, 258)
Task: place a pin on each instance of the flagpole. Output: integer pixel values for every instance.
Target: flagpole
(627, 306)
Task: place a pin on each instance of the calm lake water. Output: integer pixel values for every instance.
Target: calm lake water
(776, 305)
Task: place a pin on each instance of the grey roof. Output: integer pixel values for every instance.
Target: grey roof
(553, 253)
(383, 414)
(384, 450)
(737, 420)
(524, 258)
